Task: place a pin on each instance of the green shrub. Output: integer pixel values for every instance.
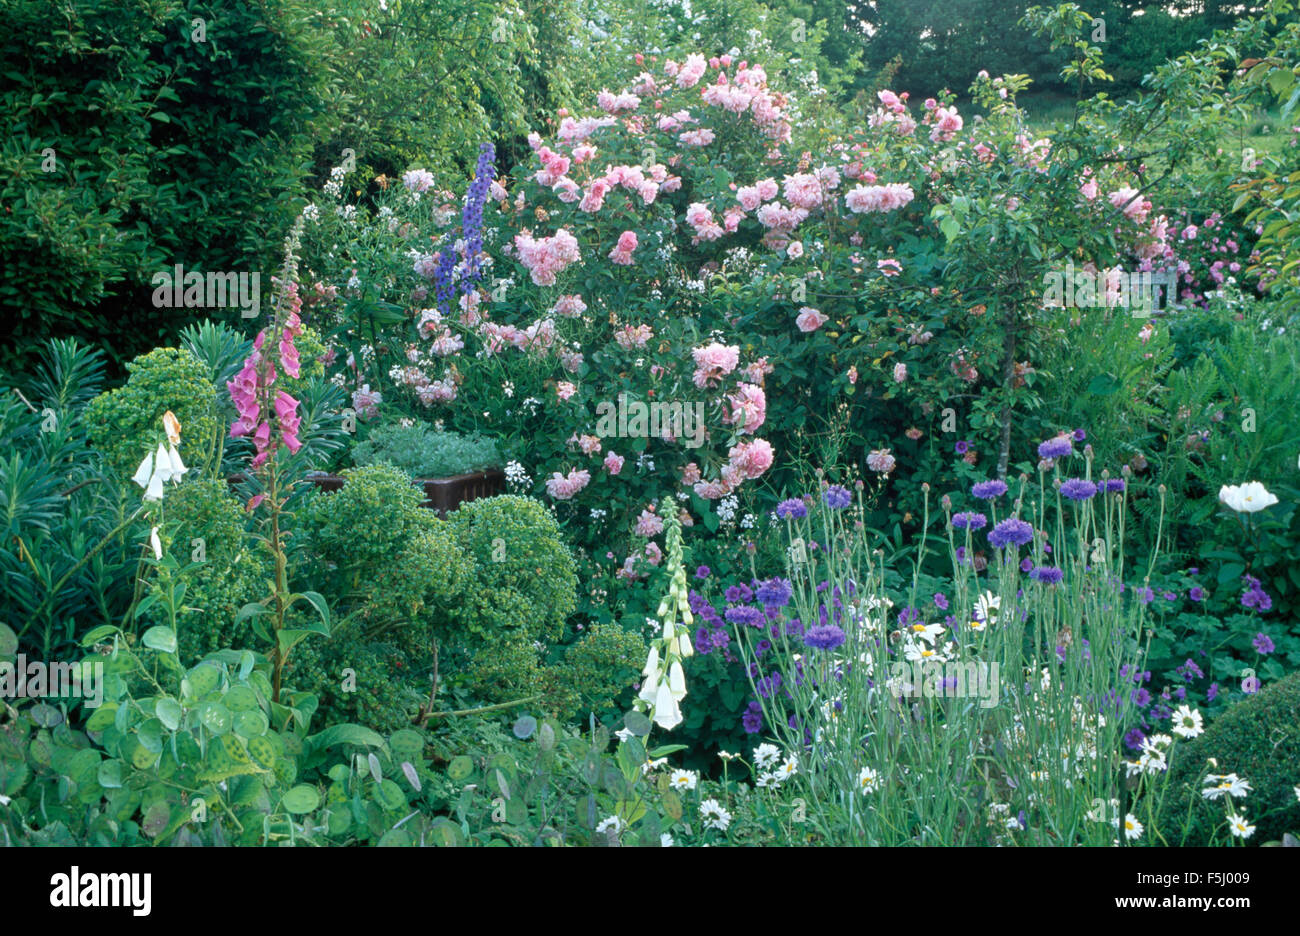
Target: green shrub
(126, 423)
(1259, 740)
(426, 453)
(392, 566)
(523, 588)
(596, 670)
(230, 569)
(378, 692)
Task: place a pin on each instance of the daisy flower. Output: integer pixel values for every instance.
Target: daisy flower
(683, 779)
(766, 755)
(1132, 828)
(1239, 827)
(1187, 722)
(1220, 785)
(868, 780)
(713, 816)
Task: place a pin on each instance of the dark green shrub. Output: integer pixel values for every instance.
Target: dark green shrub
(205, 525)
(391, 567)
(125, 423)
(166, 148)
(523, 588)
(595, 671)
(1259, 740)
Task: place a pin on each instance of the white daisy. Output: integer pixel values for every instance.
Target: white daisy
(868, 780)
(1188, 722)
(713, 816)
(683, 779)
(766, 755)
(1239, 827)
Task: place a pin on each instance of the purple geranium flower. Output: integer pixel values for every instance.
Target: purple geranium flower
(738, 593)
(941, 601)
(752, 720)
(1047, 575)
(962, 447)
(702, 572)
(1263, 643)
(1196, 593)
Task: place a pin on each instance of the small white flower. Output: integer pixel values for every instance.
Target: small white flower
(612, 824)
(1219, 785)
(624, 735)
(713, 816)
(1239, 827)
(1187, 722)
(766, 755)
(1246, 498)
(666, 840)
(1132, 828)
(868, 780)
(683, 779)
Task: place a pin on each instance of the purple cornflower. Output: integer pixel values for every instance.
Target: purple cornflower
(1078, 489)
(775, 593)
(989, 490)
(1196, 593)
(1011, 532)
(702, 572)
(836, 497)
(792, 508)
(1058, 447)
(720, 639)
(1113, 485)
(969, 520)
(750, 617)
(1047, 575)
(824, 637)
(1263, 644)
(941, 601)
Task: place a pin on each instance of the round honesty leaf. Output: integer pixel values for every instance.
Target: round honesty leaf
(45, 715)
(169, 712)
(262, 751)
(216, 718)
(406, 743)
(240, 699)
(160, 638)
(525, 727)
(301, 799)
(460, 768)
(250, 724)
(203, 679)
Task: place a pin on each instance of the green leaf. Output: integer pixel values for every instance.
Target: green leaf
(160, 638)
(301, 799)
(169, 712)
(345, 734)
